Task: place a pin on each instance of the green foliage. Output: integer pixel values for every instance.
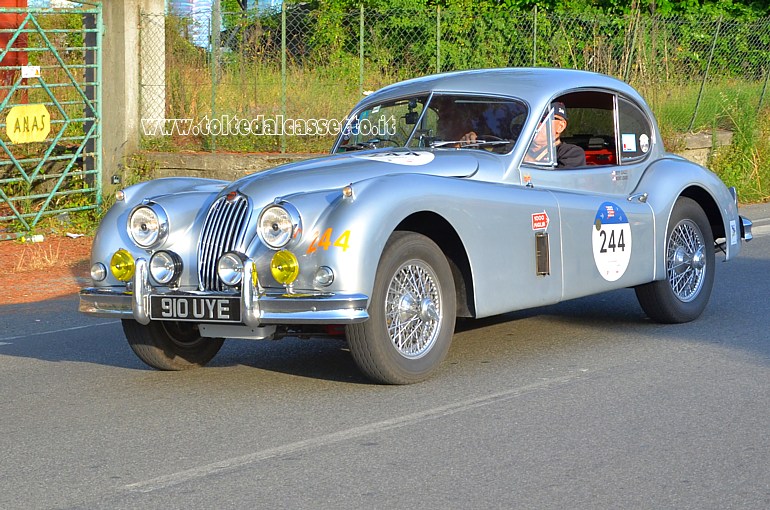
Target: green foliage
(745, 163)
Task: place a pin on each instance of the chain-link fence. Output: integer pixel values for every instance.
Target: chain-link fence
(308, 64)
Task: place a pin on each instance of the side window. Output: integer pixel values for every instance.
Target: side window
(591, 125)
(635, 132)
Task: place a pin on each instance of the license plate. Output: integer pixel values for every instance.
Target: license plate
(195, 308)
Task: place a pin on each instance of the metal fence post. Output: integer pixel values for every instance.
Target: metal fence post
(764, 89)
(438, 38)
(705, 76)
(93, 75)
(216, 25)
(630, 61)
(283, 75)
(534, 36)
(361, 52)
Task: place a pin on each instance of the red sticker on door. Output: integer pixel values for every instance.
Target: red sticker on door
(540, 221)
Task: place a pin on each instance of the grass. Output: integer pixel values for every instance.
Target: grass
(38, 257)
(745, 164)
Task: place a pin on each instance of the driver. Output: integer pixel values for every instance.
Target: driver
(567, 154)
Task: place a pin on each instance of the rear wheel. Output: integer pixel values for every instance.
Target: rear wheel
(685, 292)
(411, 313)
(171, 345)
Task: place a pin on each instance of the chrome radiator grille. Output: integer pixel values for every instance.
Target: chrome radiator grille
(224, 230)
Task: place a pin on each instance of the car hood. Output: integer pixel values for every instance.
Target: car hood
(339, 170)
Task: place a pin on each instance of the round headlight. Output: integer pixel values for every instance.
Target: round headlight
(278, 224)
(122, 265)
(165, 267)
(230, 268)
(147, 225)
(284, 267)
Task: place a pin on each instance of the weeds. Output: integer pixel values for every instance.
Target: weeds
(39, 257)
(745, 163)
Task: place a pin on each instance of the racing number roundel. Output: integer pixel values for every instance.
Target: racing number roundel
(611, 239)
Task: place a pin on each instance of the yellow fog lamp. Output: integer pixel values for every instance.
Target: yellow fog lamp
(122, 265)
(284, 267)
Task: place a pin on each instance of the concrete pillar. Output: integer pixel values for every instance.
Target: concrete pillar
(121, 81)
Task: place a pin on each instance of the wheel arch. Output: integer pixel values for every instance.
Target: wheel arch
(441, 232)
(709, 206)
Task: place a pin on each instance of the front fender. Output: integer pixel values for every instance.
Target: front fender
(183, 199)
(672, 177)
(348, 234)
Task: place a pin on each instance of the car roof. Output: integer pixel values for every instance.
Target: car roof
(534, 84)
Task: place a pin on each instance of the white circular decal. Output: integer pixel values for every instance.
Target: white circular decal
(408, 158)
(611, 239)
(644, 143)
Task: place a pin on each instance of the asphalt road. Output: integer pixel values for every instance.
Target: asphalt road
(586, 404)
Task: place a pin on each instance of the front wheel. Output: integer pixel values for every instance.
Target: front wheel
(170, 345)
(411, 313)
(683, 295)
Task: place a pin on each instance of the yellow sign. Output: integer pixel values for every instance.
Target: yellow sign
(28, 123)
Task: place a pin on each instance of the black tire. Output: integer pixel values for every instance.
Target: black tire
(170, 345)
(414, 292)
(685, 292)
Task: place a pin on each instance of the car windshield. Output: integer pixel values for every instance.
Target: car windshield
(388, 124)
(447, 121)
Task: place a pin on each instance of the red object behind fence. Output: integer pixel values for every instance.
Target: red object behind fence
(9, 22)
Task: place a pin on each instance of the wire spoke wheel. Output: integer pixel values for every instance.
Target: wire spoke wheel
(685, 261)
(689, 257)
(411, 313)
(413, 309)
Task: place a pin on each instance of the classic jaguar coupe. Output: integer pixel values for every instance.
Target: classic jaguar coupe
(465, 194)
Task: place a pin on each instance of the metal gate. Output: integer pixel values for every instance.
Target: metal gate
(50, 111)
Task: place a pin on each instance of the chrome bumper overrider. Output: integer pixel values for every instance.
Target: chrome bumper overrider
(256, 308)
(746, 229)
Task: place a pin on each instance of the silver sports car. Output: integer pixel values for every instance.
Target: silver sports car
(465, 194)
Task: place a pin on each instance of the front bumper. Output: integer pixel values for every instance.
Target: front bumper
(257, 308)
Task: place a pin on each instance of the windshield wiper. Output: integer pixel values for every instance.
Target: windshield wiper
(463, 143)
(358, 146)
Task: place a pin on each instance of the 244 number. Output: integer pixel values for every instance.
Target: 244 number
(610, 244)
(325, 241)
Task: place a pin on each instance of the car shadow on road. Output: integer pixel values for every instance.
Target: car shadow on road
(54, 331)
(736, 317)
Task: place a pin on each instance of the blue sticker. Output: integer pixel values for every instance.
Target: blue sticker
(610, 213)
